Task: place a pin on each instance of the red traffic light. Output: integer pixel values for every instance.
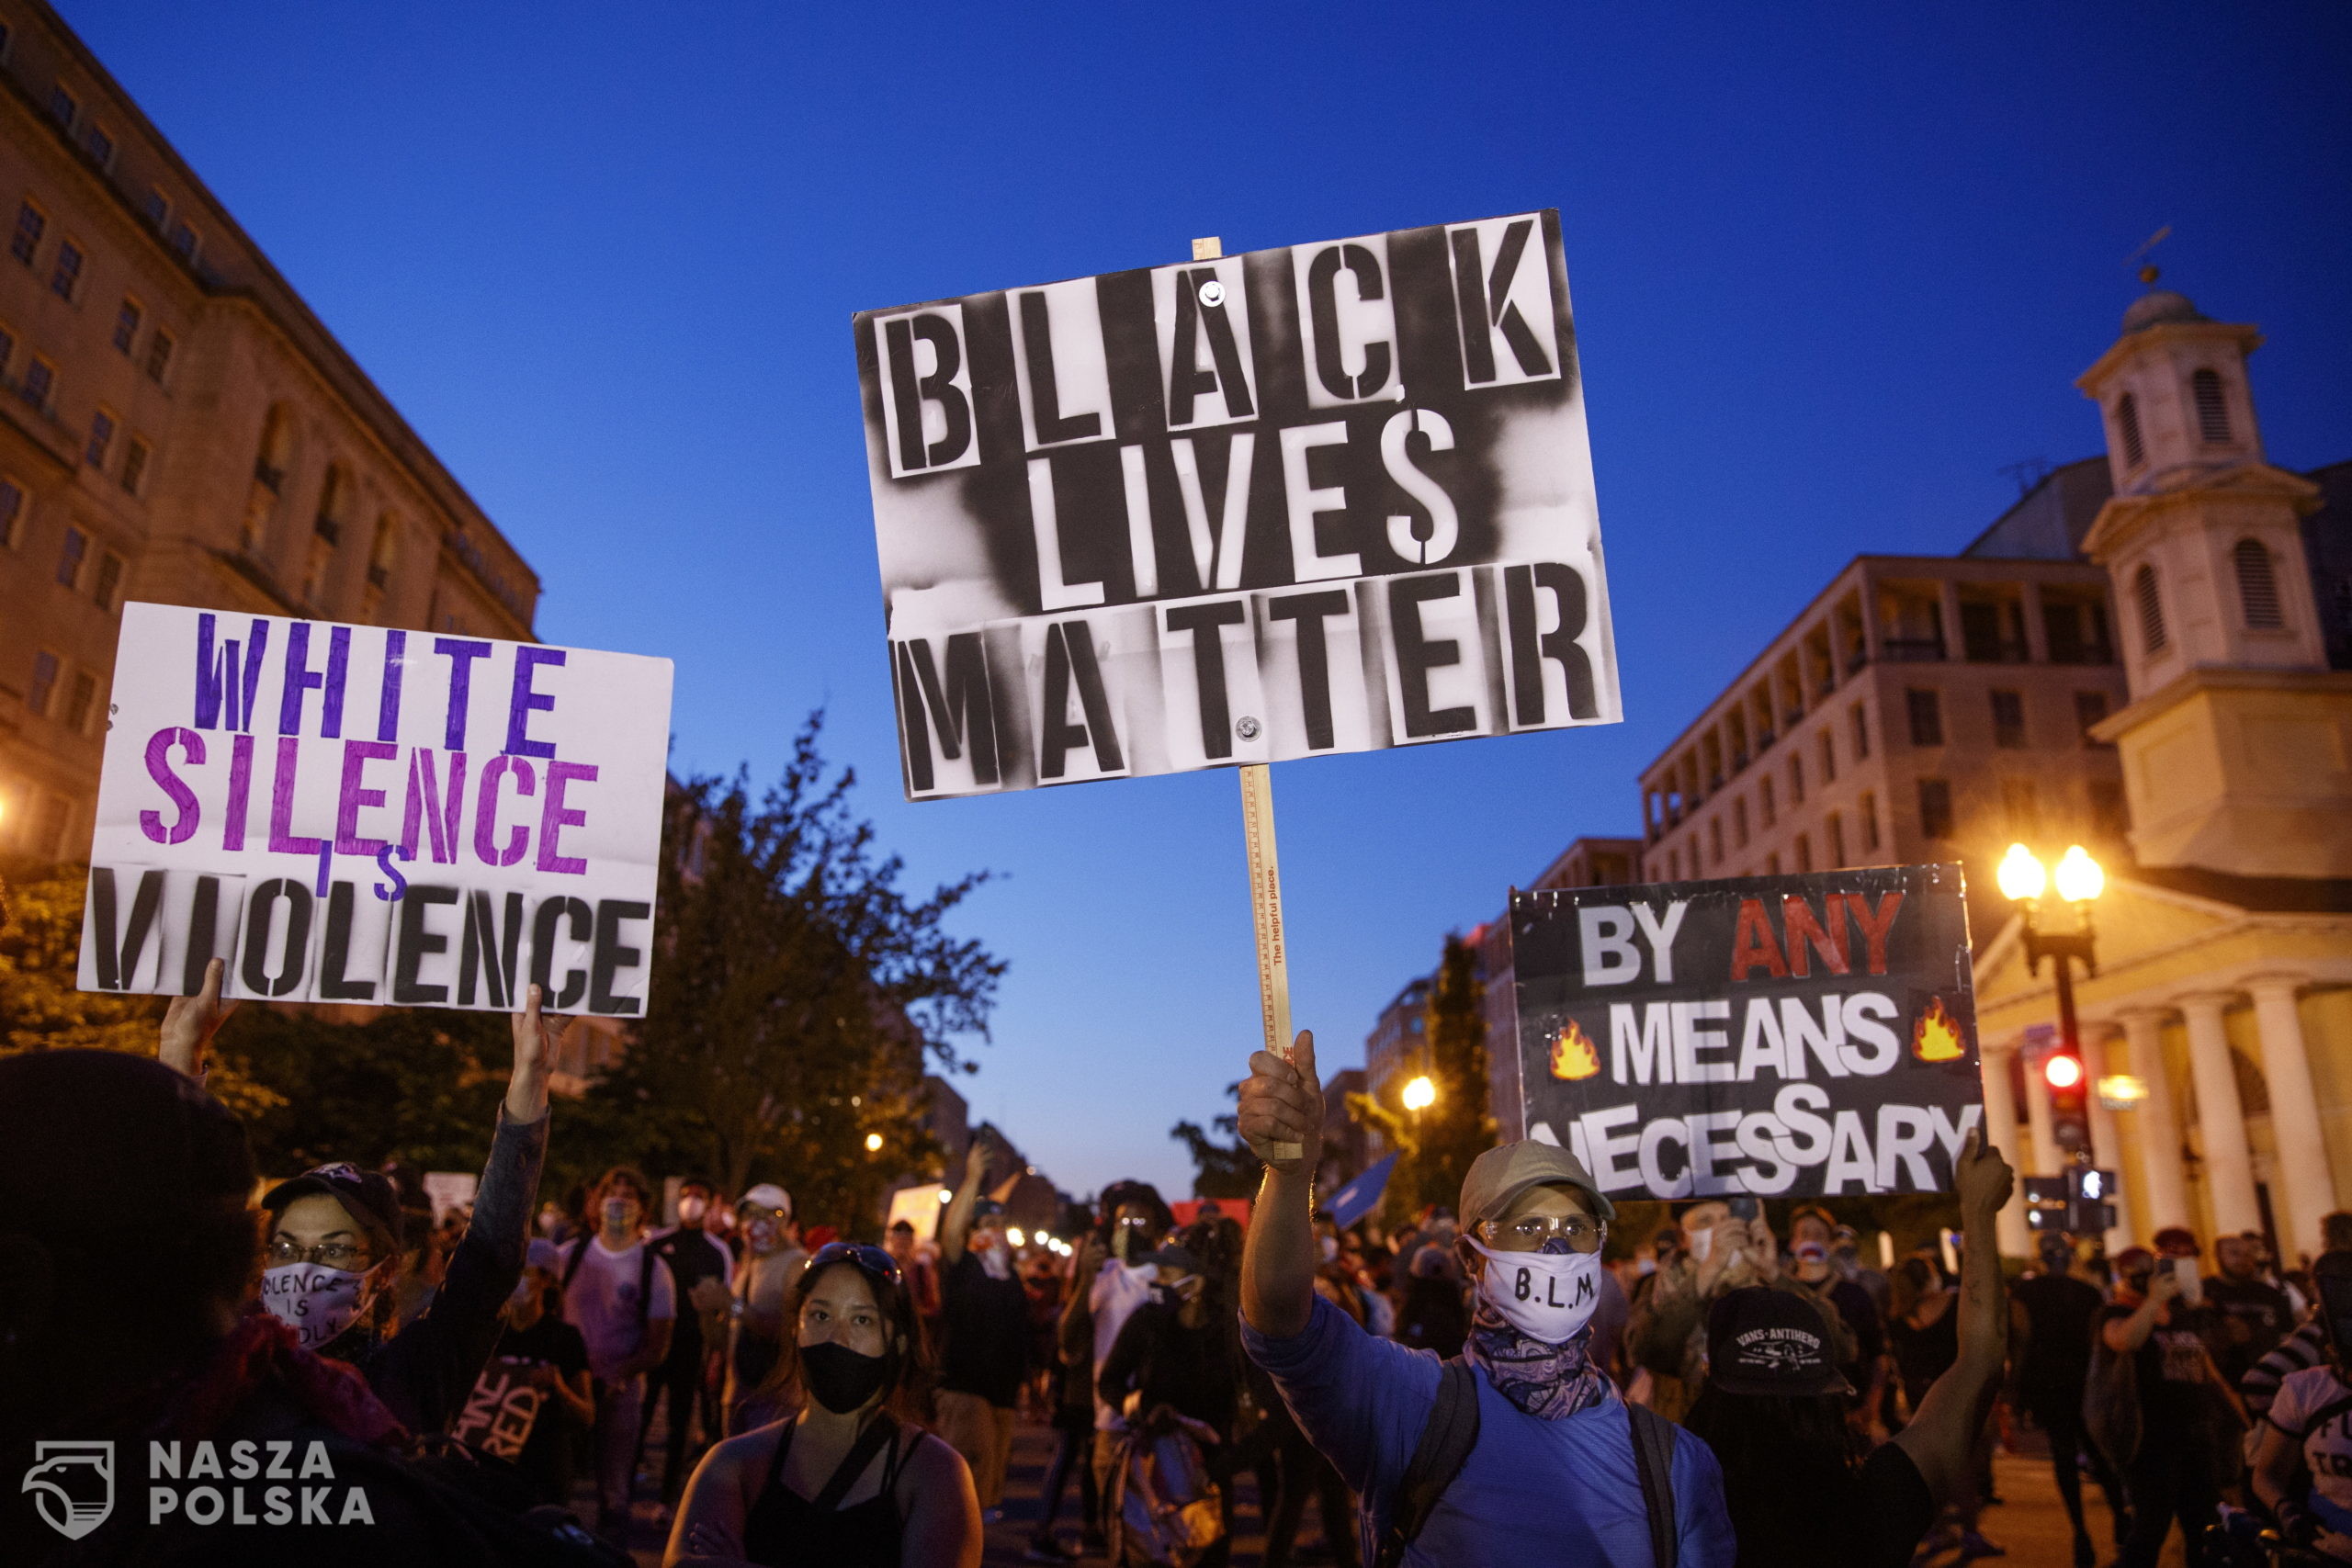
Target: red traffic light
(2063, 1071)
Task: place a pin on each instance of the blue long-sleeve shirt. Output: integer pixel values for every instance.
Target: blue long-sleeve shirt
(1533, 1493)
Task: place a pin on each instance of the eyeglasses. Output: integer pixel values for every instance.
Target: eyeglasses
(871, 1258)
(1530, 1232)
(284, 1251)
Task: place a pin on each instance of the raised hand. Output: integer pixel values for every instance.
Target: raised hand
(1980, 1173)
(1281, 1103)
(190, 1023)
(527, 1088)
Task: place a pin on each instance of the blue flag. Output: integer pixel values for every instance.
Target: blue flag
(1359, 1197)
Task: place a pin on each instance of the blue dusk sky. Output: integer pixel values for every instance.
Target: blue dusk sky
(1833, 269)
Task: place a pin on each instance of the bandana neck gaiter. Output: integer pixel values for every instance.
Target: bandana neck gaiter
(1547, 1381)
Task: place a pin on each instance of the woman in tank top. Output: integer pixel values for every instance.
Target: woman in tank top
(851, 1480)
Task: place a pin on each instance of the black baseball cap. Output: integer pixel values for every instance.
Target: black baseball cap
(1765, 1341)
(368, 1195)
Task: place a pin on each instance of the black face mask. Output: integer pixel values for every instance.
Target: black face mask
(840, 1379)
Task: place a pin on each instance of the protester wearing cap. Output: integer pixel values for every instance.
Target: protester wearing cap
(1553, 1476)
(764, 1277)
(2302, 1447)
(850, 1480)
(1134, 1220)
(335, 1237)
(2306, 1347)
(2164, 1430)
(1773, 1410)
(985, 1314)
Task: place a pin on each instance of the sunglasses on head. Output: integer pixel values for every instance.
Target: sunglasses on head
(869, 1257)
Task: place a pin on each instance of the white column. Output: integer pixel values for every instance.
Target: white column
(2107, 1145)
(2221, 1119)
(1948, 615)
(2001, 1125)
(2306, 1179)
(2158, 1123)
(2037, 634)
(2047, 1160)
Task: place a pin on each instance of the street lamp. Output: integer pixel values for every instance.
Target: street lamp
(1421, 1094)
(2080, 881)
(873, 1143)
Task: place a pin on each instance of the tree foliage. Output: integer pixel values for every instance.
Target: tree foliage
(1436, 1145)
(798, 993)
(1227, 1169)
(40, 939)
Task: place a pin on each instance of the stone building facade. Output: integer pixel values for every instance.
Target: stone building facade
(176, 426)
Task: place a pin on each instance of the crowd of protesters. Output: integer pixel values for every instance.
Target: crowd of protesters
(1503, 1379)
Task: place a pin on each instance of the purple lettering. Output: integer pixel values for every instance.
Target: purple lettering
(159, 768)
(554, 818)
(518, 710)
(282, 841)
(241, 792)
(461, 653)
(355, 796)
(486, 811)
(299, 678)
(388, 706)
(426, 805)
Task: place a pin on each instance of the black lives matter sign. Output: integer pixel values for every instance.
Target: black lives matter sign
(1777, 1035)
(1328, 498)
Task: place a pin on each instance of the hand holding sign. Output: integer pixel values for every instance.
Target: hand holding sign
(527, 1088)
(190, 1023)
(1281, 1103)
(1983, 1176)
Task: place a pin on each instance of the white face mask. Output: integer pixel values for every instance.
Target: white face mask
(318, 1302)
(1331, 1249)
(1702, 1244)
(691, 1211)
(761, 1233)
(1546, 1296)
(995, 1261)
(1809, 1252)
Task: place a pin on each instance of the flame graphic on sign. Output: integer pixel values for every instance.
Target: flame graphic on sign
(1572, 1053)
(1936, 1037)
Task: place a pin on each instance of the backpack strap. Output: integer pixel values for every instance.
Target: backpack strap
(645, 1288)
(1653, 1459)
(1447, 1439)
(2319, 1417)
(572, 1263)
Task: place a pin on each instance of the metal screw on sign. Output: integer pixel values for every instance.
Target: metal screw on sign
(1245, 727)
(1212, 294)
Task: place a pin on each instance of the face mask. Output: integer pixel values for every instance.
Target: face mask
(1546, 1296)
(1646, 1265)
(318, 1302)
(1702, 1244)
(995, 1261)
(839, 1378)
(761, 1233)
(1809, 1252)
(691, 1211)
(1331, 1249)
(1125, 1238)
(620, 1214)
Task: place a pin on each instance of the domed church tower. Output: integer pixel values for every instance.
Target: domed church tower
(2237, 743)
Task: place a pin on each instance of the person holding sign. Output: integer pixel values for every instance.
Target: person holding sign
(1775, 1404)
(850, 1482)
(334, 1235)
(1522, 1452)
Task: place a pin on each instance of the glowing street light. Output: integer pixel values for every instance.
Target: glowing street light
(2080, 880)
(873, 1143)
(1013, 1233)
(2023, 880)
(2020, 876)
(1421, 1094)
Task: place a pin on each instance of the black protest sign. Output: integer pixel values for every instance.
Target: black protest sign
(1333, 497)
(1780, 1035)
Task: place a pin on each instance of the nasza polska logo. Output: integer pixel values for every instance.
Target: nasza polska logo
(72, 1483)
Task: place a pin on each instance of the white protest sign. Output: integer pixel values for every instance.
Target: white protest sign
(1332, 497)
(370, 815)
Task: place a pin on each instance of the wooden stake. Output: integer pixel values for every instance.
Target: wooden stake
(1265, 880)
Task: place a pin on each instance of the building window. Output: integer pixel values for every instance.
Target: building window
(1772, 863)
(12, 511)
(101, 441)
(2151, 610)
(2126, 424)
(134, 465)
(2257, 584)
(1716, 841)
(41, 380)
(65, 277)
(1804, 855)
(62, 106)
(7, 347)
(99, 145)
(2212, 406)
(1764, 800)
(110, 570)
(126, 326)
(1797, 780)
(2019, 804)
(184, 242)
(1674, 865)
(44, 682)
(1739, 822)
(1935, 808)
(1836, 839)
(1861, 731)
(157, 207)
(159, 355)
(2090, 710)
(27, 239)
(1927, 713)
(80, 697)
(1828, 758)
(1868, 812)
(2109, 816)
(314, 578)
(70, 558)
(2008, 719)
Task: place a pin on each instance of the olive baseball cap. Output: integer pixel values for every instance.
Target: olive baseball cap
(1502, 1173)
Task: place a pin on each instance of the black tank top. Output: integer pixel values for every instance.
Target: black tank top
(788, 1530)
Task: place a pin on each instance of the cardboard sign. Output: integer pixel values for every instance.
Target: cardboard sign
(358, 814)
(1329, 498)
(1788, 1036)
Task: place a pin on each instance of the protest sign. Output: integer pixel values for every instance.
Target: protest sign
(1326, 498)
(1792, 1036)
(502, 1407)
(368, 815)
